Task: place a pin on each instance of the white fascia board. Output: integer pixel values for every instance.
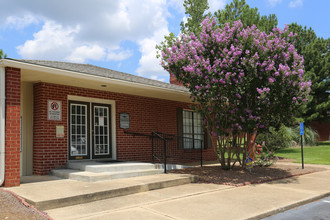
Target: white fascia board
(60, 72)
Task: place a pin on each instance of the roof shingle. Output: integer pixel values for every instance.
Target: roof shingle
(102, 72)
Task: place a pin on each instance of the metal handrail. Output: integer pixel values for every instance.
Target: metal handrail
(165, 138)
(137, 134)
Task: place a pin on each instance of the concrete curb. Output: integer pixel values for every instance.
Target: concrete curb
(288, 207)
(91, 197)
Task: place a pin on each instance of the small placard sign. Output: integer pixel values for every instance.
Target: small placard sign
(60, 131)
(301, 128)
(54, 110)
(124, 120)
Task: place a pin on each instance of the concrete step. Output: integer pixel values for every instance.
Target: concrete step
(87, 176)
(65, 192)
(99, 167)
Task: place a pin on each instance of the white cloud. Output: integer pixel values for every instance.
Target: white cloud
(148, 64)
(154, 77)
(177, 5)
(273, 3)
(60, 38)
(21, 22)
(52, 42)
(83, 53)
(118, 56)
(296, 3)
(94, 30)
(215, 5)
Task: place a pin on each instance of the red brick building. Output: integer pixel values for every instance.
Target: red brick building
(323, 130)
(54, 112)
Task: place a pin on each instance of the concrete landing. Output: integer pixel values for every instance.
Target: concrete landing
(87, 176)
(61, 193)
(94, 171)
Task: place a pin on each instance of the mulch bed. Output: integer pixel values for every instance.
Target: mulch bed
(239, 177)
(12, 207)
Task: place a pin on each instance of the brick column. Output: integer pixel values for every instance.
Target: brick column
(12, 144)
(173, 80)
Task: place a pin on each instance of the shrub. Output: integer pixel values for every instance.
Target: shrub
(287, 137)
(274, 140)
(265, 158)
(309, 138)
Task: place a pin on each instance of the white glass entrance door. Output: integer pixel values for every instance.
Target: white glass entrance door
(89, 130)
(101, 131)
(78, 131)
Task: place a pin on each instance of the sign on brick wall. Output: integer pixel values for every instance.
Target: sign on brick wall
(54, 110)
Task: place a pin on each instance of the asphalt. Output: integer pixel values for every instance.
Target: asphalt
(315, 210)
(187, 201)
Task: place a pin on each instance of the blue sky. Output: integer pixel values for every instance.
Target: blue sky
(121, 35)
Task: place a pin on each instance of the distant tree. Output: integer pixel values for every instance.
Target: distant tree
(2, 55)
(239, 10)
(304, 36)
(316, 53)
(195, 9)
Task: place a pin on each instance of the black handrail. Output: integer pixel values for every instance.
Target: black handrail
(137, 134)
(155, 134)
(158, 137)
(170, 138)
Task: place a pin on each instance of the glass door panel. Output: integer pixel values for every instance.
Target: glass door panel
(101, 134)
(78, 131)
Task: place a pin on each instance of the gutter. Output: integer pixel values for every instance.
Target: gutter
(2, 124)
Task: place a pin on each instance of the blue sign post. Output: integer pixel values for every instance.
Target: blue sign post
(302, 147)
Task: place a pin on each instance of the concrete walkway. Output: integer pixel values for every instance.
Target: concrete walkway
(206, 201)
(51, 192)
(193, 201)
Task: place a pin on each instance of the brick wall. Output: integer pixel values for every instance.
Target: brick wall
(146, 115)
(323, 129)
(12, 144)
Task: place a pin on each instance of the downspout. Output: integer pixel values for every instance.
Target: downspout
(2, 124)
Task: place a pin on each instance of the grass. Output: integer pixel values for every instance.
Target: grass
(319, 154)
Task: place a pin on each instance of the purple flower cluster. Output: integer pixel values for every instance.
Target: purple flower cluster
(247, 79)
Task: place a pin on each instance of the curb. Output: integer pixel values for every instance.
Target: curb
(107, 194)
(288, 207)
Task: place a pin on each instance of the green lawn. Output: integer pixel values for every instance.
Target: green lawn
(314, 155)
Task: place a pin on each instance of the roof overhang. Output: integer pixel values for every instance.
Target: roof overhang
(36, 73)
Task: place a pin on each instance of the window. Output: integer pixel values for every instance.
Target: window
(193, 130)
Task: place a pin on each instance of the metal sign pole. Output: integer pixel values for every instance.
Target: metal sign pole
(302, 146)
(302, 153)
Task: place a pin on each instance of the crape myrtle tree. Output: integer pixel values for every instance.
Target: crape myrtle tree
(241, 80)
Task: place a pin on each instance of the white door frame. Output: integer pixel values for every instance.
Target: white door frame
(113, 118)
